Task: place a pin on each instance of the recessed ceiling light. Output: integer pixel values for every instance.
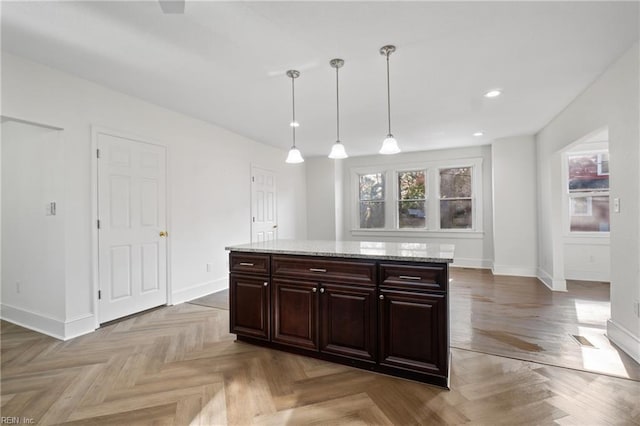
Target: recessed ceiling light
(478, 134)
(493, 93)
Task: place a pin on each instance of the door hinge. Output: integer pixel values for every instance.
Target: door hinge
(254, 218)
(253, 178)
(98, 223)
(99, 295)
(97, 153)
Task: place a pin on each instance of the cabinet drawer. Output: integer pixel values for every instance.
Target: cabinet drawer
(249, 263)
(322, 269)
(430, 276)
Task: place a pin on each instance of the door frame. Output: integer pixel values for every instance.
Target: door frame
(95, 276)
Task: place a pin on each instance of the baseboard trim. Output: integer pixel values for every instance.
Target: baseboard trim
(58, 329)
(199, 290)
(582, 275)
(513, 271)
(624, 339)
(79, 326)
(33, 321)
(551, 283)
(471, 263)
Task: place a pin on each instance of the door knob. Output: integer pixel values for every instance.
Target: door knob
(163, 233)
(381, 297)
(322, 290)
(275, 226)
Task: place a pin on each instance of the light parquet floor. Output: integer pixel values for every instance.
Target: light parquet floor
(178, 365)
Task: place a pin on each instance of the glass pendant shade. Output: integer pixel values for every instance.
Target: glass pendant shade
(389, 146)
(294, 156)
(337, 151)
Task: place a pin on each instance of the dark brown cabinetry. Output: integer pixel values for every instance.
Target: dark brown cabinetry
(249, 296)
(385, 316)
(295, 312)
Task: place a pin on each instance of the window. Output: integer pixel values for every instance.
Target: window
(371, 197)
(418, 198)
(456, 202)
(412, 212)
(588, 188)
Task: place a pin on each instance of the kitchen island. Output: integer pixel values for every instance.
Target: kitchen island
(375, 305)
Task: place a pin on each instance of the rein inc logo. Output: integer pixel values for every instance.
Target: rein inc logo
(17, 420)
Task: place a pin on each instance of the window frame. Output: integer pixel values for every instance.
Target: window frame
(568, 196)
(397, 200)
(432, 203)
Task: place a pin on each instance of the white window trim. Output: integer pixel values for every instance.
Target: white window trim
(433, 200)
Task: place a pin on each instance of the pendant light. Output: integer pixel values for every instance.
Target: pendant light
(389, 145)
(337, 150)
(294, 156)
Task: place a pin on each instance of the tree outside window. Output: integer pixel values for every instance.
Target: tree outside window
(371, 199)
(412, 199)
(456, 203)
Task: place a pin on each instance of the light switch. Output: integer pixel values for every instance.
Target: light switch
(616, 205)
(50, 208)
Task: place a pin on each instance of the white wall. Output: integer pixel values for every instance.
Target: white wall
(473, 249)
(209, 189)
(321, 198)
(33, 258)
(611, 101)
(514, 206)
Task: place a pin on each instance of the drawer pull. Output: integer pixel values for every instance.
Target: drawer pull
(322, 290)
(317, 270)
(314, 289)
(246, 264)
(409, 277)
(266, 283)
(381, 297)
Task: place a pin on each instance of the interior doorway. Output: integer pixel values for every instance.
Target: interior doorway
(132, 225)
(264, 221)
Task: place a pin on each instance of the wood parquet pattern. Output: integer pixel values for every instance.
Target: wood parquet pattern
(179, 366)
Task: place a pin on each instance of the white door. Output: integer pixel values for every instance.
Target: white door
(264, 225)
(132, 245)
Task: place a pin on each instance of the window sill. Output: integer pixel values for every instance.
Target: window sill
(411, 233)
(593, 238)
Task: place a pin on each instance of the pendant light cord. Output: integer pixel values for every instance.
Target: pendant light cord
(293, 101)
(337, 108)
(388, 96)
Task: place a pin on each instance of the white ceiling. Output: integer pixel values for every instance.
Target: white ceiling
(225, 62)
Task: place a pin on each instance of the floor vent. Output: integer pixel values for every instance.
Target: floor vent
(582, 341)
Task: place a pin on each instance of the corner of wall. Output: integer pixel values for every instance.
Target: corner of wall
(624, 339)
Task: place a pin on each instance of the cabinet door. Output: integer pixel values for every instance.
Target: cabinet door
(413, 331)
(249, 305)
(295, 313)
(348, 321)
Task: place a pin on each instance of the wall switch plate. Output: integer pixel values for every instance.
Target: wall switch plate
(18, 287)
(636, 308)
(616, 205)
(209, 267)
(50, 208)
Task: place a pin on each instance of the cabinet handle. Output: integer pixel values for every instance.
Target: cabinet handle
(266, 283)
(381, 297)
(314, 289)
(322, 290)
(409, 277)
(246, 264)
(317, 270)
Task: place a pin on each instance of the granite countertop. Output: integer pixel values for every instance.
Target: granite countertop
(414, 252)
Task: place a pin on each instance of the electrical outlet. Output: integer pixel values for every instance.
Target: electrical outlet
(18, 283)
